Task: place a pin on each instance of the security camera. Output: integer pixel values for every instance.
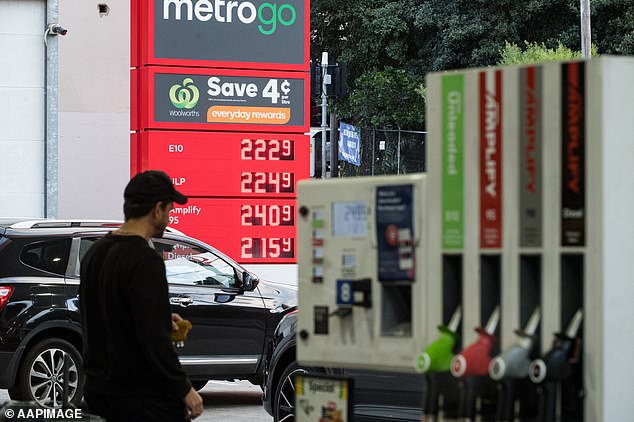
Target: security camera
(56, 29)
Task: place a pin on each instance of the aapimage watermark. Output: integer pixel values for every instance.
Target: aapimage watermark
(20, 413)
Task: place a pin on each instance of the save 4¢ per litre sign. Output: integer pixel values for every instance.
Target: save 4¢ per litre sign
(220, 99)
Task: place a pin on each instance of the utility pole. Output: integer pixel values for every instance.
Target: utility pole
(586, 39)
(325, 81)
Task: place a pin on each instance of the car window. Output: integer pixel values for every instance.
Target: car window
(191, 265)
(84, 245)
(50, 256)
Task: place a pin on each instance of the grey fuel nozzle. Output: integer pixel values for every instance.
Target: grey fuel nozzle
(514, 362)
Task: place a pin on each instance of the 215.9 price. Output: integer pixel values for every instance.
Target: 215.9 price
(271, 247)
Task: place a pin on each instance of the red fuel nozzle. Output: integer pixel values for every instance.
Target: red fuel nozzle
(475, 359)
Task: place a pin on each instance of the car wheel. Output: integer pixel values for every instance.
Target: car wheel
(198, 384)
(284, 399)
(41, 374)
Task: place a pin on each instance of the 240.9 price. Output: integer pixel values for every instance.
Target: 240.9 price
(268, 247)
(265, 182)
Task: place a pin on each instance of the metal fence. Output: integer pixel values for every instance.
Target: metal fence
(388, 151)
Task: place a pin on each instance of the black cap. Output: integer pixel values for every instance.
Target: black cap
(150, 187)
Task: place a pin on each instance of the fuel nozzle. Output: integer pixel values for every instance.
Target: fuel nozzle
(556, 364)
(475, 359)
(514, 362)
(438, 355)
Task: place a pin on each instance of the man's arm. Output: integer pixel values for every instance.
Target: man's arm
(153, 324)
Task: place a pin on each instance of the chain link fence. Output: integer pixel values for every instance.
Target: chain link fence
(388, 151)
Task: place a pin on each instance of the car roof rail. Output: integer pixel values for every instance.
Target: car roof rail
(47, 223)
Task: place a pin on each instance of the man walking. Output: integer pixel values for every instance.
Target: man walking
(132, 369)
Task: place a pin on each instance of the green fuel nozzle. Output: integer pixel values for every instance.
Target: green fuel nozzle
(438, 355)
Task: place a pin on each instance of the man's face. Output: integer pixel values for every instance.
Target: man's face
(162, 213)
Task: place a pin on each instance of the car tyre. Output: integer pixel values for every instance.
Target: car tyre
(284, 399)
(40, 377)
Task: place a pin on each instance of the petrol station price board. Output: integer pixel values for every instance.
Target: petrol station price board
(220, 99)
(219, 164)
(248, 230)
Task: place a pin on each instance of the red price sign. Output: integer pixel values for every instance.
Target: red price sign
(248, 230)
(225, 164)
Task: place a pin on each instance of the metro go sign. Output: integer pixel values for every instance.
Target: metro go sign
(221, 33)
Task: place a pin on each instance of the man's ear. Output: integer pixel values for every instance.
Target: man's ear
(157, 210)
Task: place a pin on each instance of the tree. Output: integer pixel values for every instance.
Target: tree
(380, 38)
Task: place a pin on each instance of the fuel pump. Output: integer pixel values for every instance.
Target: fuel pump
(510, 368)
(560, 365)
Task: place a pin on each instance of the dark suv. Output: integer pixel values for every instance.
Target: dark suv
(233, 313)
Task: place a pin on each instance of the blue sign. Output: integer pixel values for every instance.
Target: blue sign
(350, 143)
(345, 293)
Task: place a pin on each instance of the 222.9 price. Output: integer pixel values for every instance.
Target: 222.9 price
(265, 182)
(271, 247)
(267, 149)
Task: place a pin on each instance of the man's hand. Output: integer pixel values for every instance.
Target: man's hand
(194, 404)
(175, 319)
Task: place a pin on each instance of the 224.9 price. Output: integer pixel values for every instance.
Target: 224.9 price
(271, 247)
(265, 182)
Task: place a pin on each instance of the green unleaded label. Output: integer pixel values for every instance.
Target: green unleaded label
(452, 161)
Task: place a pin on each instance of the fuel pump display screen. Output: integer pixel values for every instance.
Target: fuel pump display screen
(350, 219)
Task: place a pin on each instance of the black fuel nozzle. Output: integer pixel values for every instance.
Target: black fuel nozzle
(556, 364)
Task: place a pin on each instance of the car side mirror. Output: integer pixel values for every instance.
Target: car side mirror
(249, 281)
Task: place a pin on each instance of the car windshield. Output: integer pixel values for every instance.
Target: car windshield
(200, 269)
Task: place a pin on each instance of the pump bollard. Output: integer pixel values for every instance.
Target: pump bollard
(435, 361)
(472, 364)
(512, 365)
(556, 366)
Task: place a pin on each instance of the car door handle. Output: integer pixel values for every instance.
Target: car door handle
(183, 300)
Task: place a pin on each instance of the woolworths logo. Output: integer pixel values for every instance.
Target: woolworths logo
(184, 96)
(222, 11)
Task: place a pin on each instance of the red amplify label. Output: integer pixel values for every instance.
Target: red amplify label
(490, 159)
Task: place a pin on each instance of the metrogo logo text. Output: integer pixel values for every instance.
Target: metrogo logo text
(267, 14)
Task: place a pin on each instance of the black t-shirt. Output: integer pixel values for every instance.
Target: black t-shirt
(126, 321)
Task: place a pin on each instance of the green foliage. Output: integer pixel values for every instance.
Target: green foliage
(538, 53)
(386, 98)
(406, 39)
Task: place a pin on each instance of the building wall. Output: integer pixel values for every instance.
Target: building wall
(22, 89)
(94, 107)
